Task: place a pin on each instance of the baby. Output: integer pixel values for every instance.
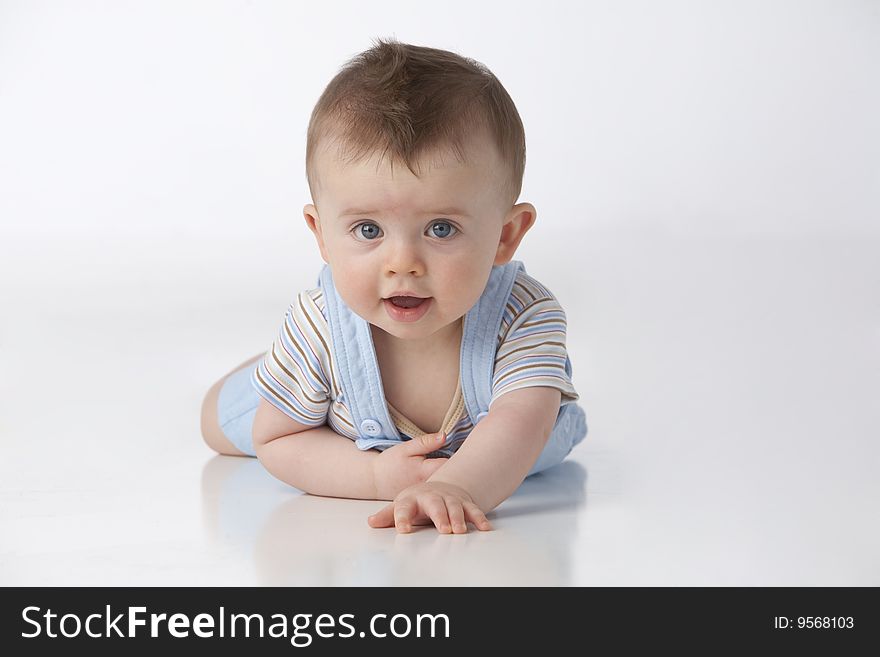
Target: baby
(426, 368)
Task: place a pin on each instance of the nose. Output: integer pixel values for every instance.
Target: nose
(403, 257)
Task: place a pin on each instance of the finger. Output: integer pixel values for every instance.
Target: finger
(456, 517)
(475, 515)
(426, 443)
(435, 507)
(404, 512)
(382, 518)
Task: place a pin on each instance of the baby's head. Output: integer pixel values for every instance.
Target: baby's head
(433, 228)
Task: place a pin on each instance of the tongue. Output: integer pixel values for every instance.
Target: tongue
(406, 302)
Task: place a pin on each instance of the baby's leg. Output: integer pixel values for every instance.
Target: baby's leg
(211, 431)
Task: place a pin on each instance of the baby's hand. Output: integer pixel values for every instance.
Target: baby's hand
(403, 465)
(448, 506)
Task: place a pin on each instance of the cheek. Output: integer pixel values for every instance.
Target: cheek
(466, 277)
(356, 289)
(359, 287)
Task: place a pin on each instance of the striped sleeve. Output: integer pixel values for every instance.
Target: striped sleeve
(532, 351)
(293, 374)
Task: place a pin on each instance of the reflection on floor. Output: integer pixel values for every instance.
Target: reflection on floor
(296, 539)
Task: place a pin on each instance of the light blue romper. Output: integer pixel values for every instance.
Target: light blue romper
(358, 368)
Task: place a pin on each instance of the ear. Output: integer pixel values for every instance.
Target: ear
(313, 221)
(516, 225)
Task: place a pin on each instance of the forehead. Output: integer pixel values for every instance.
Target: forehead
(443, 182)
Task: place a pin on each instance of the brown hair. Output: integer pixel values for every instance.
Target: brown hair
(410, 100)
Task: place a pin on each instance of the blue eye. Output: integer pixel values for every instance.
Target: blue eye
(446, 226)
(370, 233)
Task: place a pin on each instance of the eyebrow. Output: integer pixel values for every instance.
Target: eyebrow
(354, 211)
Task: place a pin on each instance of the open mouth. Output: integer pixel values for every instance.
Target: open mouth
(407, 302)
(407, 308)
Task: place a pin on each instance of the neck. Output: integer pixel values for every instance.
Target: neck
(437, 342)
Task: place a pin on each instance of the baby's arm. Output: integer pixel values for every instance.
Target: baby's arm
(503, 447)
(486, 470)
(314, 459)
(319, 461)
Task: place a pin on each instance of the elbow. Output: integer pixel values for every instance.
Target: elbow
(280, 459)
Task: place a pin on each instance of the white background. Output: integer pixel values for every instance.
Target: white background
(707, 179)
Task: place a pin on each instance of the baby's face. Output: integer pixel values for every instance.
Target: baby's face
(436, 237)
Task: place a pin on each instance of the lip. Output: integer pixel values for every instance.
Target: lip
(407, 314)
(405, 293)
